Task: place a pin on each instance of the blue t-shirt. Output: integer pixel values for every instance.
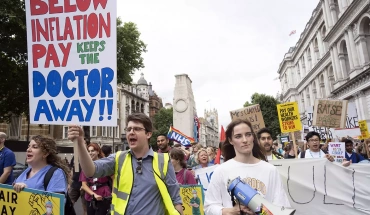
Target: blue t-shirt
(57, 184)
(7, 159)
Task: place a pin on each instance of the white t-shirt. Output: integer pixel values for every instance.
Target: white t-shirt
(269, 157)
(262, 176)
(311, 154)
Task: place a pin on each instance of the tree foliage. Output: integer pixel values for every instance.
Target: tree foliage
(14, 99)
(269, 111)
(161, 122)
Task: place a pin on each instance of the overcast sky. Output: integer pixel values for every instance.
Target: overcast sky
(229, 48)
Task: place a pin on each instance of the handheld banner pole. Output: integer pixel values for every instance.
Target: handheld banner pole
(294, 145)
(75, 153)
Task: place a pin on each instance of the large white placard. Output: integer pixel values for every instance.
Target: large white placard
(72, 62)
(204, 176)
(317, 186)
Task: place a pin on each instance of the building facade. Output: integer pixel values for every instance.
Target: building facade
(208, 131)
(155, 102)
(331, 59)
(130, 98)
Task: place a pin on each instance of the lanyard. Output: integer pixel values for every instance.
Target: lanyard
(312, 155)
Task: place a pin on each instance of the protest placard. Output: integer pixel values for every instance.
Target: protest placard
(29, 201)
(289, 118)
(337, 150)
(251, 113)
(330, 113)
(72, 64)
(192, 199)
(204, 176)
(364, 130)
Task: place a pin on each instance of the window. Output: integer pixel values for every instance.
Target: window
(116, 132)
(104, 131)
(93, 131)
(117, 113)
(110, 131)
(65, 132)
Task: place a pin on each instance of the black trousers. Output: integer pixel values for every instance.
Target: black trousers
(103, 208)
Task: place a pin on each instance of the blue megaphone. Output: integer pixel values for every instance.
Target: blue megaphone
(247, 196)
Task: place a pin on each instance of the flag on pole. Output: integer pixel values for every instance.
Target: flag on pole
(292, 32)
(222, 139)
(176, 135)
(223, 134)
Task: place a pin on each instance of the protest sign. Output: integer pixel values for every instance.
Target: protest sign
(251, 113)
(192, 197)
(337, 150)
(72, 62)
(318, 186)
(289, 118)
(364, 130)
(204, 176)
(176, 135)
(330, 113)
(29, 201)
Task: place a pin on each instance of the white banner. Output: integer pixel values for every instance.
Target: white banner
(320, 187)
(204, 176)
(72, 66)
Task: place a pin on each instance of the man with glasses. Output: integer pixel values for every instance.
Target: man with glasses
(265, 140)
(145, 181)
(313, 139)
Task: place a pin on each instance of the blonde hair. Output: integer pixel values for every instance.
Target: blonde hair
(2, 135)
(197, 156)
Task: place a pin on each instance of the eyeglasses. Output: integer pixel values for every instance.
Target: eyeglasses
(136, 129)
(139, 169)
(313, 140)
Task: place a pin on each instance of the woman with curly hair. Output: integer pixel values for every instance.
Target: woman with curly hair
(97, 188)
(41, 156)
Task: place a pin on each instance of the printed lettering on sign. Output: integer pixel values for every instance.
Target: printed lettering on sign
(72, 62)
(251, 113)
(330, 113)
(337, 150)
(289, 117)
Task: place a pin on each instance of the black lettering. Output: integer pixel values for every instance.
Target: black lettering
(3, 211)
(14, 198)
(326, 194)
(12, 209)
(2, 197)
(314, 192)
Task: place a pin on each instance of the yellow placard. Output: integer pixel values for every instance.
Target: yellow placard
(29, 201)
(192, 199)
(289, 118)
(363, 128)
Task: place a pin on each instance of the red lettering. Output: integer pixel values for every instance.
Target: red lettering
(51, 56)
(54, 9)
(59, 37)
(78, 19)
(68, 8)
(92, 27)
(33, 30)
(51, 20)
(68, 31)
(38, 7)
(84, 31)
(105, 25)
(103, 3)
(66, 50)
(40, 30)
(83, 5)
(38, 51)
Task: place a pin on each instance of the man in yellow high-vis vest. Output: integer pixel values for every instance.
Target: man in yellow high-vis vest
(144, 181)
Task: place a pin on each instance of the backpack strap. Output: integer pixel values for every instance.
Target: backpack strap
(303, 154)
(185, 182)
(358, 157)
(48, 176)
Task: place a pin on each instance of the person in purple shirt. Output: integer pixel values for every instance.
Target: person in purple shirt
(183, 175)
(7, 161)
(97, 187)
(41, 156)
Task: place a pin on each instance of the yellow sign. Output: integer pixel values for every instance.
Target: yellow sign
(363, 128)
(192, 199)
(289, 118)
(30, 201)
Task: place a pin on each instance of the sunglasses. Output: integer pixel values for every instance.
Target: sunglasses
(139, 169)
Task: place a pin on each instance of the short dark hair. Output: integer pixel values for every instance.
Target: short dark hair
(107, 150)
(141, 118)
(263, 130)
(348, 141)
(311, 134)
(165, 136)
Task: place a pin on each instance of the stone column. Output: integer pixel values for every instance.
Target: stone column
(365, 115)
(326, 14)
(306, 62)
(344, 5)
(313, 56)
(340, 6)
(342, 62)
(338, 71)
(349, 51)
(320, 44)
(333, 12)
(361, 41)
(352, 46)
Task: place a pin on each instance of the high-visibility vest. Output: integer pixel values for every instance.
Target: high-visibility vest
(122, 186)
